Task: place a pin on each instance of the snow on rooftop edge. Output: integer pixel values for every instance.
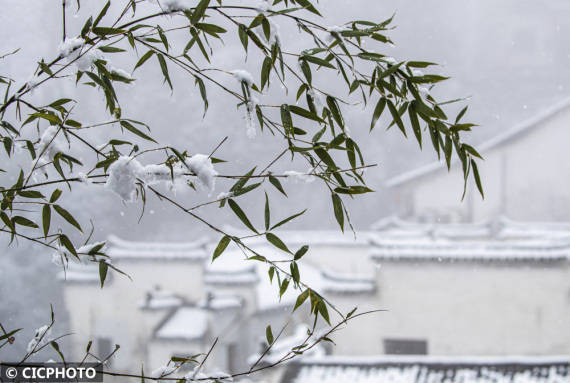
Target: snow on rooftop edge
(187, 323)
(436, 359)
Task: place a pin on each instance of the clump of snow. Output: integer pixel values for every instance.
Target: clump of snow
(40, 336)
(83, 178)
(69, 45)
(121, 73)
(334, 32)
(49, 145)
(390, 60)
(224, 195)
(163, 371)
(316, 97)
(123, 174)
(423, 89)
(299, 177)
(197, 375)
(87, 59)
(417, 73)
(126, 172)
(201, 165)
(263, 6)
(243, 76)
(31, 84)
(61, 256)
(175, 5)
(249, 117)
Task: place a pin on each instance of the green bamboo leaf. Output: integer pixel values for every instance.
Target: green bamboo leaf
(295, 272)
(415, 123)
(102, 13)
(338, 212)
(308, 6)
(477, 178)
(283, 222)
(242, 32)
(222, 245)
(275, 182)
(164, 69)
(277, 242)
(241, 215)
(301, 299)
(378, 111)
(46, 219)
(265, 71)
(67, 216)
(304, 113)
(66, 242)
(302, 251)
(396, 116)
(322, 308)
(286, 119)
(127, 125)
(143, 59)
(335, 110)
(22, 221)
(283, 287)
(103, 268)
(199, 11)
(267, 214)
(318, 61)
(55, 196)
(269, 335)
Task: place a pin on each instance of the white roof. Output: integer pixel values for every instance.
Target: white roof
(158, 299)
(185, 323)
(233, 270)
(506, 136)
(122, 249)
(80, 272)
(403, 369)
(501, 239)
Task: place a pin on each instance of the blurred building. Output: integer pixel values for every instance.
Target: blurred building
(495, 288)
(525, 177)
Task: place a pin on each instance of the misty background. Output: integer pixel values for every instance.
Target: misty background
(510, 58)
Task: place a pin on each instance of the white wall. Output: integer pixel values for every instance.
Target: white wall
(468, 308)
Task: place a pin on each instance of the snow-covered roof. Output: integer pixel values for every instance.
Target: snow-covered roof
(504, 137)
(231, 269)
(80, 272)
(219, 302)
(122, 249)
(404, 369)
(309, 237)
(497, 240)
(183, 323)
(158, 299)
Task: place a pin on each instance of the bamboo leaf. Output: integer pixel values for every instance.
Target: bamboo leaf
(67, 216)
(240, 214)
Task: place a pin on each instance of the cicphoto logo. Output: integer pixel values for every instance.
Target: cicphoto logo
(51, 372)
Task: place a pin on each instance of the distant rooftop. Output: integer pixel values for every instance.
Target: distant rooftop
(496, 240)
(123, 249)
(406, 369)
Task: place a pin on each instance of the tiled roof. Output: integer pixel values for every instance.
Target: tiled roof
(183, 323)
(429, 370)
(122, 249)
(498, 240)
